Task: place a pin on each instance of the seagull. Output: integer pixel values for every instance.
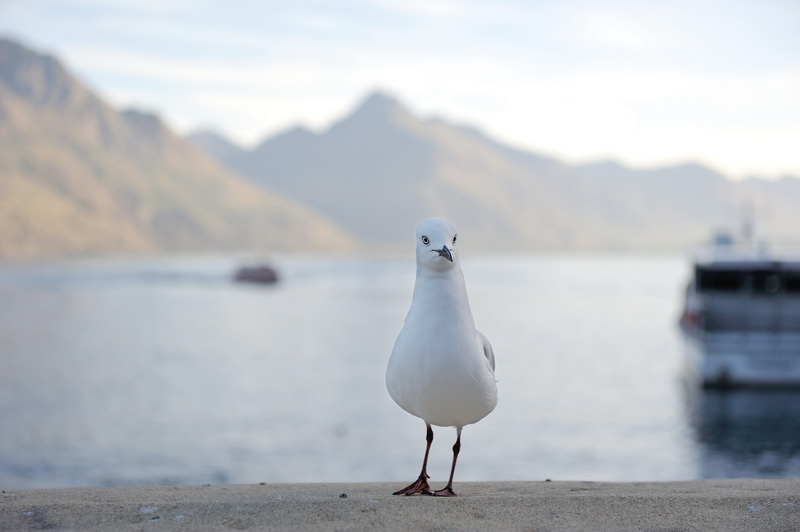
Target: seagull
(441, 369)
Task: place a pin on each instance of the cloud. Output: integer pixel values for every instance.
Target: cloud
(577, 79)
(610, 30)
(437, 9)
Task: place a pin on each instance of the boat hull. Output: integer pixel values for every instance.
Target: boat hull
(744, 359)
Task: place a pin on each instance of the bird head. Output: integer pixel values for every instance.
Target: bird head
(437, 246)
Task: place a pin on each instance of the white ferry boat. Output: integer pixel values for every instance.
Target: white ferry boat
(741, 316)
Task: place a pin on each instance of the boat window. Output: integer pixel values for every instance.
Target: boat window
(759, 281)
(791, 281)
(720, 280)
(766, 281)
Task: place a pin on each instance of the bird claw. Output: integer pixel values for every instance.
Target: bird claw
(419, 486)
(445, 492)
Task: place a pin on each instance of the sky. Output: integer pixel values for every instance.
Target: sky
(647, 83)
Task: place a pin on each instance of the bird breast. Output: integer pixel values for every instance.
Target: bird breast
(438, 370)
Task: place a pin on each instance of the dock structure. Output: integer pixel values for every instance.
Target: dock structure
(729, 505)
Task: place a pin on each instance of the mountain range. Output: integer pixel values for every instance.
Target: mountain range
(78, 177)
(381, 168)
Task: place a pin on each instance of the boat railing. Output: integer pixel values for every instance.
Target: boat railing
(774, 314)
(752, 342)
(787, 251)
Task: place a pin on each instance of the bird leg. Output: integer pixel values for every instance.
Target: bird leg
(421, 484)
(447, 491)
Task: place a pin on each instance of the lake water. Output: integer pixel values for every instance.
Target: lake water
(163, 371)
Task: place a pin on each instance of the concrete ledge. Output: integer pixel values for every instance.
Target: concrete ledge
(749, 504)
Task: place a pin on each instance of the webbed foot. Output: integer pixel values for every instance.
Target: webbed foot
(419, 486)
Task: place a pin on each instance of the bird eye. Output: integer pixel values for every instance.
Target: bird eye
(454, 239)
(426, 240)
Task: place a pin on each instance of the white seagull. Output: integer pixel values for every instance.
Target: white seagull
(441, 368)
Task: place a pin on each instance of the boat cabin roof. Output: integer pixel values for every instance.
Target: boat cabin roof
(749, 258)
(749, 265)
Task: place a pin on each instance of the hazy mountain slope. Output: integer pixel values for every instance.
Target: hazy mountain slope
(77, 177)
(694, 200)
(381, 169)
(214, 144)
(365, 176)
(775, 207)
(678, 205)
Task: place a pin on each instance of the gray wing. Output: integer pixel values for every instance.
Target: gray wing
(488, 352)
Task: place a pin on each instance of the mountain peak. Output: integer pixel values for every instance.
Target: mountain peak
(297, 132)
(294, 136)
(37, 78)
(376, 110)
(379, 102)
(379, 105)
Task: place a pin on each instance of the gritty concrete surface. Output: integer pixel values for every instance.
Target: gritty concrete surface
(730, 505)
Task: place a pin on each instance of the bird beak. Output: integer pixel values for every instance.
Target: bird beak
(444, 252)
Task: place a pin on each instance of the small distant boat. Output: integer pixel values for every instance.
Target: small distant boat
(741, 316)
(260, 274)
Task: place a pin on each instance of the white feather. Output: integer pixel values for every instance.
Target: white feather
(441, 368)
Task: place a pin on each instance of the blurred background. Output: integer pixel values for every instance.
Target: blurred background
(207, 217)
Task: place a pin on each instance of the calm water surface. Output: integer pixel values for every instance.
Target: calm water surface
(163, 371)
